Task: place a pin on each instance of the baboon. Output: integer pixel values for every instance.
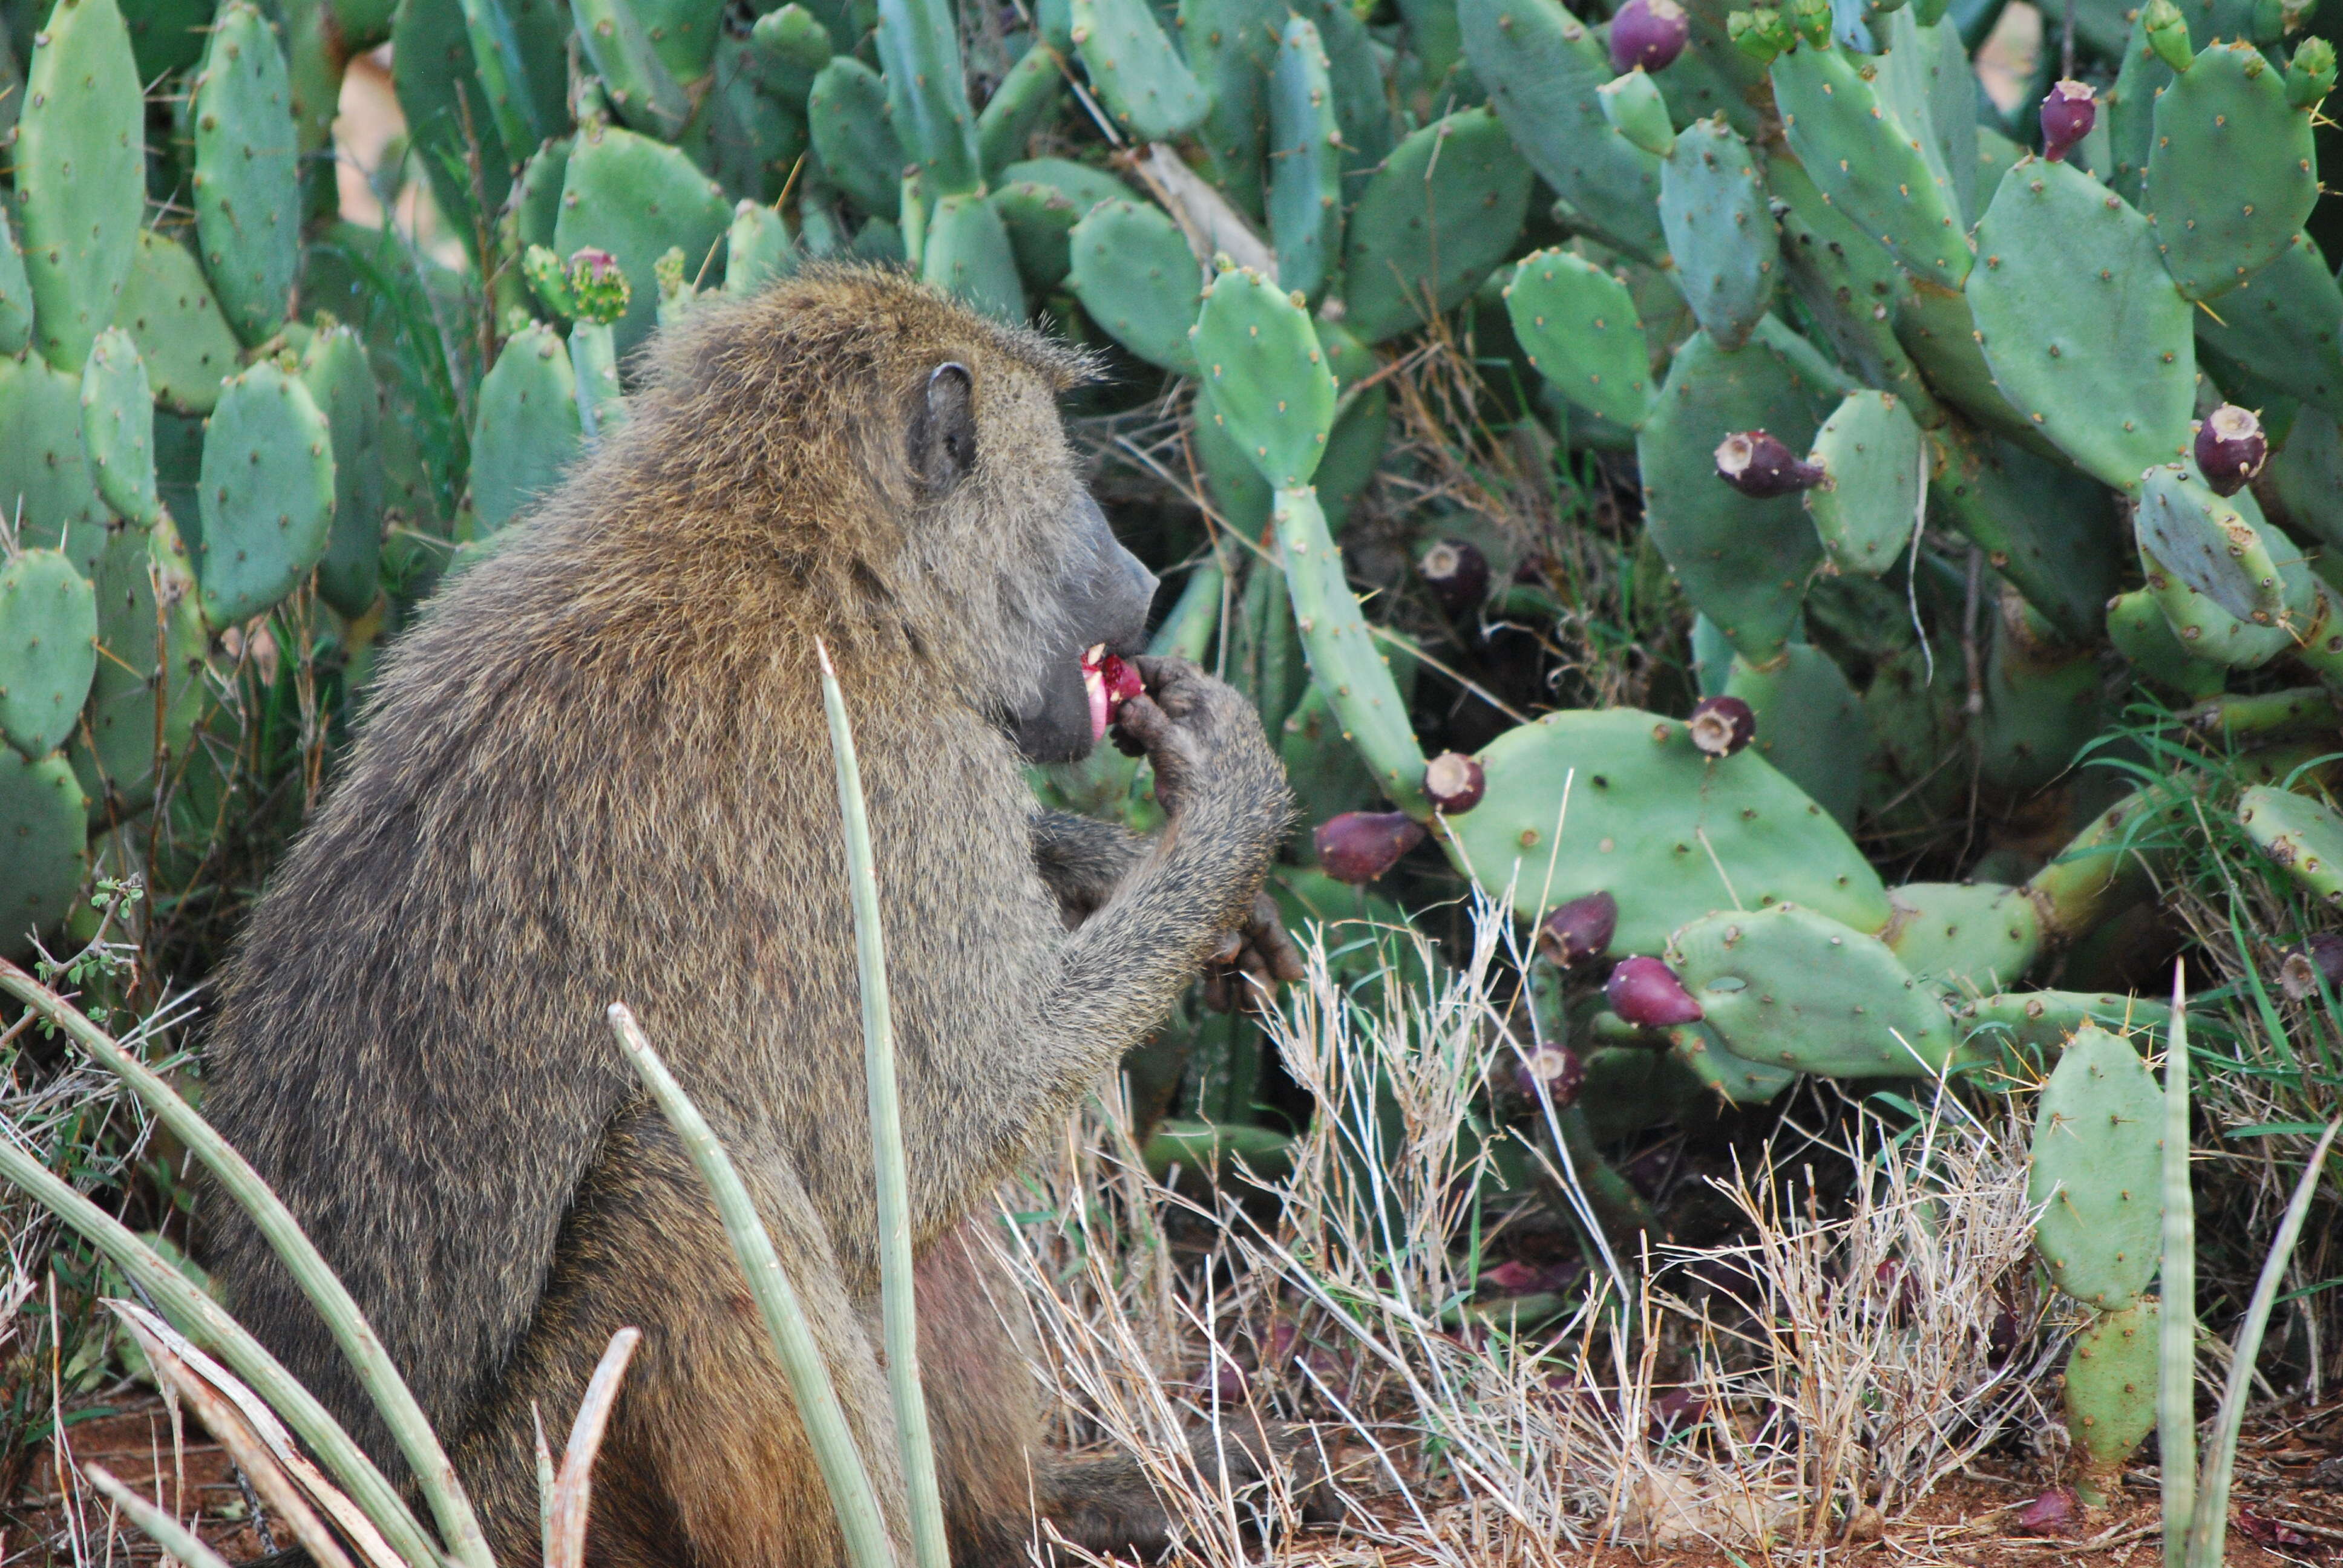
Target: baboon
(598, 770)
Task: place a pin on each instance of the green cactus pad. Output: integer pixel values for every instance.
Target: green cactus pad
(46, 846)
(536, 194)
(1370, 128)
(2304, 838)
(1019, 108)
(635, 197)
(169, 311)
(2129, 111)
(2208, 631)
(1809, 722)
(147, 660)
(1939, 332)
(686, 33)
(1542, 69)
(1712, 205)
(966, 255)
(445, 103)
(1141, 79)
(46, 490)
(639, 84)
(1134, 273)
(1926, 81)
(48, 650)
(2207, 543)
(847, 113)
(1305, 181)
(1702, 1052)
(759, 249)
(527, 431)
(1868, 508)
(334, 368)
(266, 494)
(1232, 47)
(118, 426)
(2233, 176)
(2045, 528)
(2084, 335)
(2019, 1028)
(1244, 499)
(1441, 211)
(1867, 162)
(2139, 632)
(594, 361)
(1579, 326)
(16, 292)
(2112, 1376)
(1970, 939)
(246, 185)
(2096, 1177)
(81, 175)
(1269, 386)
(2282, 324)
(1656, 823)
(1849, 288)
(1343, 658)
(792, 44)
(1789, 987)
(927, 92)
(1745, 562)
(1040, 201)
(2042, 701)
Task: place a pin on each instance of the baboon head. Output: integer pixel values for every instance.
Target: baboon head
(954, 530)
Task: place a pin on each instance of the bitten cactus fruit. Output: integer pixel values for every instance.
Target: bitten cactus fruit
(1455, 782)
(2068, 113)
(1646, 993)
(1648, 32)
(1457, 573)
(1721, 726)
(1761, 468)
(1579, 930)
(1109, 683)
(1552, 1069)
(2230, 449)
(1360, 846)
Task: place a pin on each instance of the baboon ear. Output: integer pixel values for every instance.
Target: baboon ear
(943, 427)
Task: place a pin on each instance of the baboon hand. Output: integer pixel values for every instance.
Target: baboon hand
(1252, 961)
(1191, 727)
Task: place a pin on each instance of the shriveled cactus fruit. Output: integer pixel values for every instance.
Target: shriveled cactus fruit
(48, 650)
(2097, 1171)
(266, 494)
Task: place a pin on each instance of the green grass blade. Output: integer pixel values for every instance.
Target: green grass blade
(162, 1529)
(2176, 1397)
(2209, 1525)
(434, 1475)
(860, 1520)
(898, 1309)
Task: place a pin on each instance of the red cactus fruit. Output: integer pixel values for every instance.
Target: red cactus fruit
(1721, 726)
(1557, 1067)
(1579, 930)
(2230, 449)
(1646, 993)
(1454, 781)
(1457, 573)
(1758, 466)
(1360, 846)
(2068, 113)
(1108, 682)
(1648, 32)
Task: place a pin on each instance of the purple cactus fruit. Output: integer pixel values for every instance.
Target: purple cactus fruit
(1721, 726)
(2068, 113)
(2320, 956)
(1648, 994)
(1360, 846)
(2230, 449)
(1554, 1067)
(1457, 573)
(1454, 781)
(1648, 32)
(1758, 466)
(2055, 1513)
(1579, 930)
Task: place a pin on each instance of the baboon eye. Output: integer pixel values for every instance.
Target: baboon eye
(944, 429)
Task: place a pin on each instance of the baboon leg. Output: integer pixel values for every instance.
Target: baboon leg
(704, 1463)
(984, 1410)
(1109, 1505)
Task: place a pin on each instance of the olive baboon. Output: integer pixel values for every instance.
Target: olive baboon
(598, 770)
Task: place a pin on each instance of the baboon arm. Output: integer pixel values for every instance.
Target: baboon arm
(1082, 859)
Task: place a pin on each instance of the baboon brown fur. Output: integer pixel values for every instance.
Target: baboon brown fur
(598, 770)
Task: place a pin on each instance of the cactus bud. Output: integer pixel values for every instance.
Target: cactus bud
(1648, 32)
(2068, 113)
(2167, 34)
(2311, 75)
(1360, 846)
(1555, 1068)
(1811, 20)
(1633, 105)
(548, 280)
(1579, 930)
(1760, 467)
(2230, 449)
(1648, 994)
(1457, 573)
(1109, 683)
(1455, 782)
(1721, 726)
(598, 286)
(2320, 956)
(1760, 34)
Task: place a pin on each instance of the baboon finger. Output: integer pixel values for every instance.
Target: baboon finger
(1232, 944)
(1216, 991)
(1269, 938)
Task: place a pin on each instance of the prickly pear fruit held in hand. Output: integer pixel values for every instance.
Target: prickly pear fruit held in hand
(1551, 1071)
(1579, 930)
(1360, 846)
(1648, 32)
(2068, 113)
(1721, 726)
(2230, 449)
(1761, 468)
(1457, 573)
(1108, 682)
(1646, 993)
(1455, 782)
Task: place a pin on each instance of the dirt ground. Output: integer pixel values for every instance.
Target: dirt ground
(2287, 1508)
